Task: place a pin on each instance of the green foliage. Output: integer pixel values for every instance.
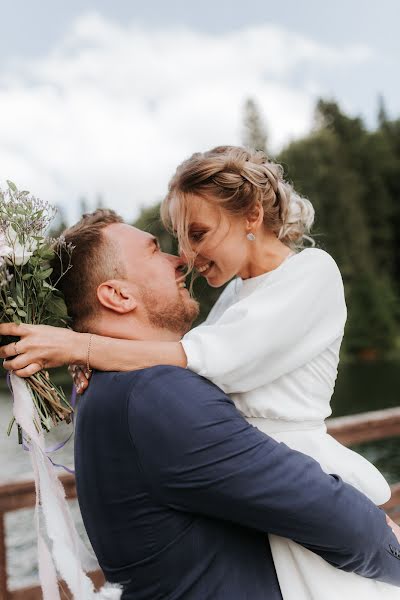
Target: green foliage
(372, 324)
(352, 176)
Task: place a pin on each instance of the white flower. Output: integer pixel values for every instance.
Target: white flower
(20, 256)
(5, 249)
(11, 249)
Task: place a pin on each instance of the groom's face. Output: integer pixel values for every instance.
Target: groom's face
(154, 277)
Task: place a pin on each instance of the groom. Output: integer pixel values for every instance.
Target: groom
(177, 491)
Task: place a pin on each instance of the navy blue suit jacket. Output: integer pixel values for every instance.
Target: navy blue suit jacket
(177, 493)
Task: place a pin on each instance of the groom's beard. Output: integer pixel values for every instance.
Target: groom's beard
(175, 315)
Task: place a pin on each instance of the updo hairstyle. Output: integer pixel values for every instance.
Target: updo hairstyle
(237, 180)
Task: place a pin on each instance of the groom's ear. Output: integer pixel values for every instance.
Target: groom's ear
(116, 295)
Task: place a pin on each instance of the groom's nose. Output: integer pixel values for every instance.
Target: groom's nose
(177, 261)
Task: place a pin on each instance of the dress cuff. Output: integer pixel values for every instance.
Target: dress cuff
(193, 356)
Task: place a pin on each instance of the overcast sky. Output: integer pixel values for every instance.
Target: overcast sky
(107, 97)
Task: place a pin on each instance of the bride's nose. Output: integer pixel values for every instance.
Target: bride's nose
(187, 258)
(183, 257)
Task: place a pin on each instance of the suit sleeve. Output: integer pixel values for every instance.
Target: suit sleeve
(200, 456)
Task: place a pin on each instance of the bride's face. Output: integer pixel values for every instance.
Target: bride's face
(218, 241)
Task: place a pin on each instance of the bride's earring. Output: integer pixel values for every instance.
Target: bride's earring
(250, 236)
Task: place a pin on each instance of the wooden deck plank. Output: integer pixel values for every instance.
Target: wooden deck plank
(35, 593)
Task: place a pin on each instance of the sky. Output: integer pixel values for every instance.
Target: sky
(108, 97)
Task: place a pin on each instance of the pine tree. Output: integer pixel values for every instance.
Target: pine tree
(254, 130)
(372, 328)
(343, 169)
(363, 153)
(383, 119)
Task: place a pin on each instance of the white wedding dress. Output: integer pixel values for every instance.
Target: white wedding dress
(272, 343)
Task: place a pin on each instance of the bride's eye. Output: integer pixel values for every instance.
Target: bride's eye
(196, 236)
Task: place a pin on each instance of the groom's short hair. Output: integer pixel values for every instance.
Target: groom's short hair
(94, 260)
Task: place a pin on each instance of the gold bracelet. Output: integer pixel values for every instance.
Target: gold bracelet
(89, 370)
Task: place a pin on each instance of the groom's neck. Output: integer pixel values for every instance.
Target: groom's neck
(118, 327)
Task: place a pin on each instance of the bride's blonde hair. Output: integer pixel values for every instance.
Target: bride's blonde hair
(237, 180)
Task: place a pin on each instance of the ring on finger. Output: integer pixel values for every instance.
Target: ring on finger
(16, 349)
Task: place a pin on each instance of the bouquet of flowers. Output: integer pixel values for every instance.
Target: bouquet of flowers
(29, 260)
(27, 292)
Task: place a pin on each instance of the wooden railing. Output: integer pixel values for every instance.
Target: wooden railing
(348, 430)
(366, 427)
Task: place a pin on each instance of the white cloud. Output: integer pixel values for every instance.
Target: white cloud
(114, 109)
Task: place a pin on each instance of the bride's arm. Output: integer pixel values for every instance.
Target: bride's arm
(110, 354)
(41, 346)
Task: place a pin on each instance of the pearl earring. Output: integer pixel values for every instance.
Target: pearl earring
(251, 237)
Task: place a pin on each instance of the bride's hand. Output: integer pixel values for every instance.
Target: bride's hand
(40, 347)
(80, 377)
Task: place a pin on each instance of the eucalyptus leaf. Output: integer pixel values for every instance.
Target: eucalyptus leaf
(12, 186)
(57, 307)
(45, 274)
(46, 253)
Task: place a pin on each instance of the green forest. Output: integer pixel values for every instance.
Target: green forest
(351, 174)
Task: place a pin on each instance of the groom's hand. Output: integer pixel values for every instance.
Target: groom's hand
(80, 376)
(395, 528)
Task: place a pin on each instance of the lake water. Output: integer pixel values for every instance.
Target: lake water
(371, 386)
(360, 387)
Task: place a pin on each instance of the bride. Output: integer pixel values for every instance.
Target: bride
(271, 341)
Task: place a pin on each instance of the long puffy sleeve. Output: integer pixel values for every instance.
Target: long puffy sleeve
(292, 316)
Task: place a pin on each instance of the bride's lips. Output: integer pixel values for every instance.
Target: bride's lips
(205, 269)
